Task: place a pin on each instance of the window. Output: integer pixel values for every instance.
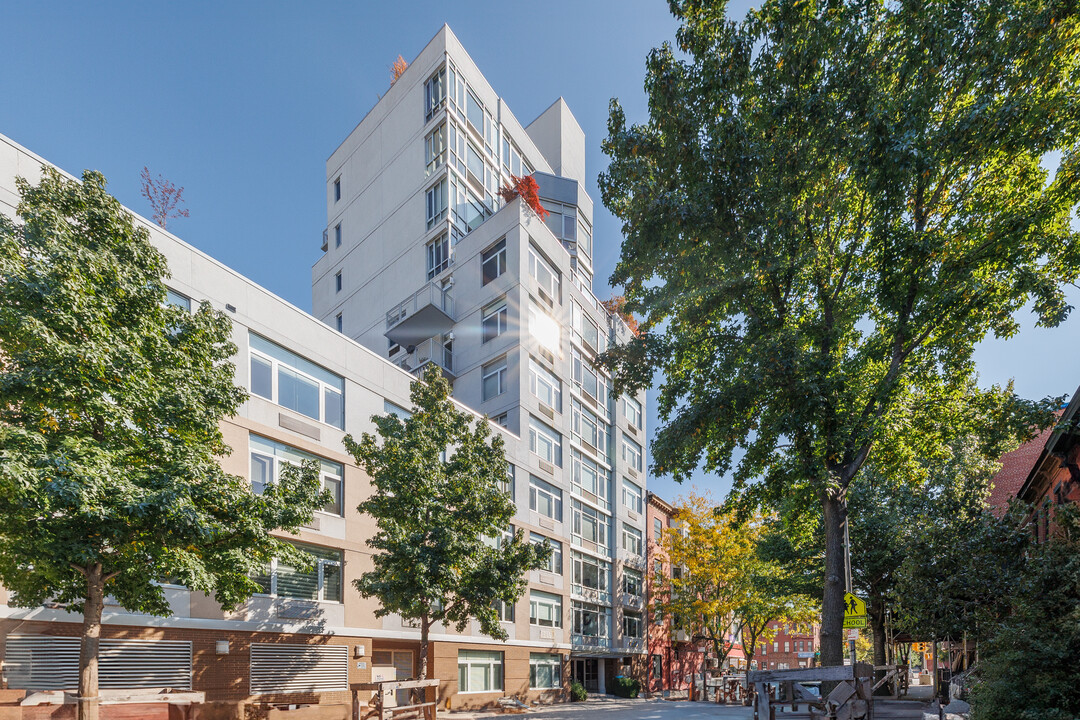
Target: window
(776, 647)
(337, 281)
(633, 584)
(658, 529)
(474, 112)
(676, 572)
(174, 298)
(502, 420)
(544, 328)
(631, 540)
(321, 582)
(589, 480)
(545, 442)
(592, 621)
(657, 667)
(545, 609)
(631, 624)
(586, 328)
(554, 563)
(508, 484)
(436, 203)
(632, 411)
(588, 381)
(631, 453)
(434, 93)
(480, 671)
(493, 378)
(493, 320)
(545, 671)
(591, 574)
(438, 255)
(631, 496)
(588, 428)
(338, 323)
(295, 383)
(474, 162)
(658, 569)
(545, 498)
(267, 457)
(505, 611)
(435, 150)
(591, 528)
(337, 235)
(545, 275)
(337, 189)
(787, 646)
(493, 261)
(545, 386)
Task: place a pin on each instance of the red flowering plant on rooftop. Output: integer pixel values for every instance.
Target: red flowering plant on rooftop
(617, 306)
(525, 187)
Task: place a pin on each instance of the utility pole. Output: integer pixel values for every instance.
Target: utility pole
(847, 580)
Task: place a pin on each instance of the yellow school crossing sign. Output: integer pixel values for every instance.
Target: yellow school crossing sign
(854, 611)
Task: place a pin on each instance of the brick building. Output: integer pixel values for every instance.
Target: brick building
(793, 646)
(1053, 478)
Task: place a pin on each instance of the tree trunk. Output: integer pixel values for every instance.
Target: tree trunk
(425, 625)
(749, 658)
(91, 637)
(876, 610)
(832, 605)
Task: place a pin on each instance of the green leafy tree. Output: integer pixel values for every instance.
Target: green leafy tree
(109, 425)
(441, 516)
(1030, 668)
(829, 205)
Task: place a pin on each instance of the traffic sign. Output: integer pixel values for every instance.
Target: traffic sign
(854, 611)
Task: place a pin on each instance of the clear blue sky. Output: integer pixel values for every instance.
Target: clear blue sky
(242, 102)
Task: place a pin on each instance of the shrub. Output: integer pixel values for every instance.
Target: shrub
(577, 692)
(625, 687)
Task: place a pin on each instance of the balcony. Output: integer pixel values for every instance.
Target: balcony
(590, 594)
(432, 350)
(590, 643)
(634, 645)
(426, 313)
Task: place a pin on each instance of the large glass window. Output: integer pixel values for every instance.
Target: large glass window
(588, 428)
(480, 671)
(631, 453)
(631, 496)
(589, 479)
(545, 671)
(632, 411)
(493, 261)
(545, 609)
(592, 621)
(174, 298)
(436, 203)
(554, 563)
(545, 386)
(591, 574)
(493, 320)
(591, 528)
(545, 498)
(493, 378)
(545, 442)
(321, 582)
(435, 149)
(633, 582)
(547, 278)
(631, 624)
(434, 93)
(588, 381)
(544, 329)
(438, 255)
(291, 381)
(658, 529)
(267, 457)
(631, 540)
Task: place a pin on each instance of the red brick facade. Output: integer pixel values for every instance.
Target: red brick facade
(792, 647)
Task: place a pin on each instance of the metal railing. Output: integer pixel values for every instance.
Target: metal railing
(432, 293)
(431, 350)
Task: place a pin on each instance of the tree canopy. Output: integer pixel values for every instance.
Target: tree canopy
(829, 205)
(445, 554)
(109, 427)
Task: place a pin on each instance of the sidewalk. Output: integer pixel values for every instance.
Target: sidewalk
(611, 708)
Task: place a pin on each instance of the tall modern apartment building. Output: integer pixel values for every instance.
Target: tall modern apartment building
(423, 263)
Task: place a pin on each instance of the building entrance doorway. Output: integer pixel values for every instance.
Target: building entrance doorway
(401, 661)
(586, 671)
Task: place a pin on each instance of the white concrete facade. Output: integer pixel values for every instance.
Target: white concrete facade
(403, 273)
